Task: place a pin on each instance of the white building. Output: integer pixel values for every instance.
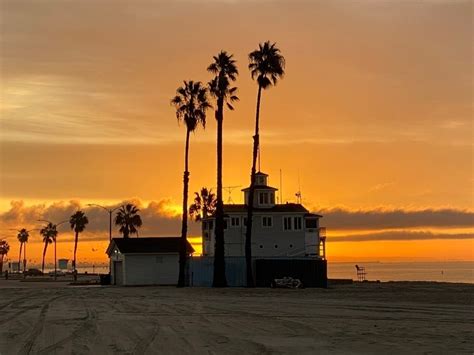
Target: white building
(279, 230)
(145, 261)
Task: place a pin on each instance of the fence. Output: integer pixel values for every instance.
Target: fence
(201, 271)
(312, 272)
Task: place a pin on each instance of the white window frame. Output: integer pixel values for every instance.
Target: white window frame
(310, 220)
(237, 219)
(291, 222)
(268, 219)
(299, 224)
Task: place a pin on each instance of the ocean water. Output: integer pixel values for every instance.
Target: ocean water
(441, 271)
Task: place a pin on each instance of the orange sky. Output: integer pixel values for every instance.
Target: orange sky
(375, 111)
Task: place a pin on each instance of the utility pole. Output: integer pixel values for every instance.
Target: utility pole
(109, 211)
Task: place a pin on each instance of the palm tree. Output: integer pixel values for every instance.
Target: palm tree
(191, 104)
(128, 219)
(49, 234)
(225, 71)
(4, 249)
(23, 236)
(267, 66)
(204, 205)
(78, 222)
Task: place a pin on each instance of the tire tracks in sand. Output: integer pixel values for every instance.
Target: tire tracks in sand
(38, 327)
(87, 326)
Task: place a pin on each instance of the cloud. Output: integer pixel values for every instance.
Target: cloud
(399, 235)
(162, 218)
(159, 219)
(344, 219)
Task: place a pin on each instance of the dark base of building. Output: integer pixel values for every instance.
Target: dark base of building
(311, 272)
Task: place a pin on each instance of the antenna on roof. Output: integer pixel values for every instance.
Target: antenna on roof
(281, 188)
(299, 198)
(229, 190)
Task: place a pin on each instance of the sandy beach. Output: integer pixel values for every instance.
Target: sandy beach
(366, 318)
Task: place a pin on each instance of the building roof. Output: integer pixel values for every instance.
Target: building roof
(312, 215)
(287, 207)
(261, 187)
(147, 245)
(260, 173)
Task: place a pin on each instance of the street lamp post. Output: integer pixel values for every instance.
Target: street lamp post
(110, 211)
(56, 237)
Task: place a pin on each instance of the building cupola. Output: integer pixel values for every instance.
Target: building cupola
(261, 179)
(264, 196)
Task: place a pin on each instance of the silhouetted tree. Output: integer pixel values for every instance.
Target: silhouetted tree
(204, 205)
(4, 249)
(266, 66)
(191, 104)
(49, 234)
(225, 71)
(78, 222)
(22, 236)
(128, 219)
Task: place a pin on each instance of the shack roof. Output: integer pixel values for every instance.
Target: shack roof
(150, 245)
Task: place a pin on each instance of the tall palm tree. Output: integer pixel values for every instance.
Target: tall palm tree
(4, 249)
(78, 222)
(128, 219)
(22, 236)
(225, 71)
(267, 67)
(191, 104)
(49, 234)
(204, 204)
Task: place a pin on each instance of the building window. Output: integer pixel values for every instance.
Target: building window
(276, 246)
(206, 236)
(245, 221)
(267, 221)
(292, 223)
(235, 222)
(311, 223)
(261, 246)
(291, 245)
(263, 198)
(297, 223)
(204, 225)
(225, 223)
(272, 198)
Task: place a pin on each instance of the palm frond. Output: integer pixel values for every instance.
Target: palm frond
(266, 64)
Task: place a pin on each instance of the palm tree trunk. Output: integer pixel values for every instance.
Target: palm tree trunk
(75, 249)
(55, 260)
(44, 254)
(219, 251)
(24, 260)
(184, 225)
(19, 257)
(248, 233)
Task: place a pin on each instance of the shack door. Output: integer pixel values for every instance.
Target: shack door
(118, 273)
